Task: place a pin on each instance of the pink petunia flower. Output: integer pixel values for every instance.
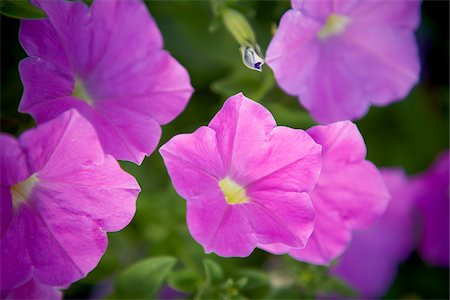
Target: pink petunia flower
(245, 180)
(34, 290)
(350, 194)
(433, 202)
(339, 57)
(60, 194)
(106, 61)
(370, 263)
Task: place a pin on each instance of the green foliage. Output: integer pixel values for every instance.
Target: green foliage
(20, 9)
(144, 278)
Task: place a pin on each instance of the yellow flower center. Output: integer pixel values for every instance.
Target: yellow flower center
(234, 193)
(334, 25)
(80, 92)
(22, 190)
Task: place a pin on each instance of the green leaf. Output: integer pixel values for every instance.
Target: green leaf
(254, 85)
(184, 280)
(257, 285)
(144, 278)
(213, 271)
(333, 285)
(20, 9)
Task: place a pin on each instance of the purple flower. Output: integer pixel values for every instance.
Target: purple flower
(34, 290)
(245, 180)
(106, 61)
(370, 263)
(350, 194)
(433, 201)
(60, 194)
(339, 57)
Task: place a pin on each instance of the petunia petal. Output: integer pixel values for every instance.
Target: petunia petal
(220, 228)
(280, 216)
(63, 247)
(294, 52)
(433, 201)
(35, 290)
(103, 193)
(16, 263)
(370, 263)
(193, 162)
(329, 239)
(348, 183)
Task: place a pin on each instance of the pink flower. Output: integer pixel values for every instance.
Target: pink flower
(106, 61)
(34, 290)
(339, 57)
(60, 194)
(245, 180)
(433, 201)
(370, 263)
(350, 194)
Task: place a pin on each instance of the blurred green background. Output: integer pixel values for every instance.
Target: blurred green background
(409, 134)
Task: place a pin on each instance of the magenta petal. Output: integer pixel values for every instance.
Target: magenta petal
(14, 169)
(292, 69)
(404, 14)
(57, 147)
(350, 193)
(241, 126)
(64, 247)
(193, 162)
(330, 237)
(102, 192)
(341, 142)
(16, 264)
(125, 133)
(357, 191)
(164, 97)
(317, 9)
(370, 263)
(35, 290)
(292, 159)
(5, 208)
(390, 54)
(288, 220)
(96, 186)
(433, 201)
(13, 162)
(348, 183)
(220, 228)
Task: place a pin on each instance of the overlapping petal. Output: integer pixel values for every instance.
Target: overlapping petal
(35, 290)
(350, 193)
(370, 263)
(433, 202)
